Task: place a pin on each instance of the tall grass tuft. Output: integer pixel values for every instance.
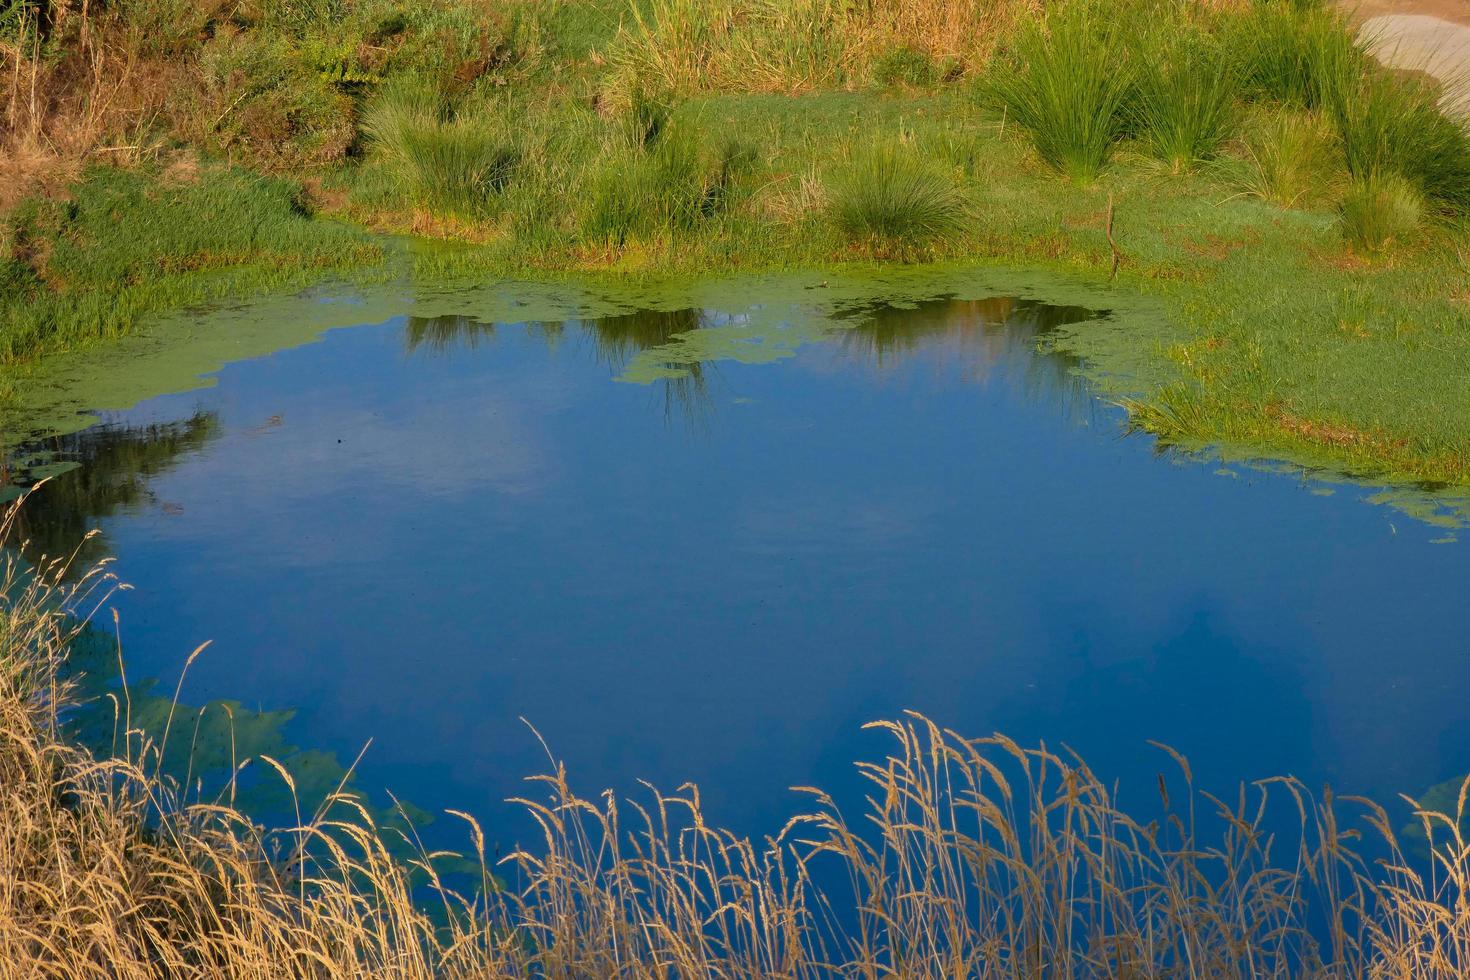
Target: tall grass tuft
(1067, 86)
(1381, 210)
(890, 198)
(1287, 51)
(972, 857)
(1184, 104)
(639, 192)
(686, 46)
(1391, 125)
(452, 165)
(1288, 157)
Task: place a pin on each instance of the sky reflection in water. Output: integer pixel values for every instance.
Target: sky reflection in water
(424, 531)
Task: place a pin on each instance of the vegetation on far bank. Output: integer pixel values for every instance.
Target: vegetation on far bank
(972, 857)
(1299, 209)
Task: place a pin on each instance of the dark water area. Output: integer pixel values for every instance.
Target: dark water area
(436, 532)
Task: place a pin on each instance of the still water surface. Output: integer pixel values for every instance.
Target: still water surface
(426, 530)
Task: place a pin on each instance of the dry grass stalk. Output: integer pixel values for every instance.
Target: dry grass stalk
(975, 857)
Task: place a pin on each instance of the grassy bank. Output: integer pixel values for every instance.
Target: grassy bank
(1299, 209)
(971, 857)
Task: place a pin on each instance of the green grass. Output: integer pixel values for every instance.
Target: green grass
(1287, 158)
(1381, 209)
(1185, 102)
(891, 198)
(1287, 51)
(1067, 86)
(1391, 125)
(449, 164)
(128, 243)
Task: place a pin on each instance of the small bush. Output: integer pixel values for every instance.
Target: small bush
(1287, 157)
(1186, 95)
(1378, 211)
(891, 198)
(1067, 87)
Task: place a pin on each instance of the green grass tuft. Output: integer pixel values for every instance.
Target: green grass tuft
(1067, 86)
(892, 198)
(1185, 102)
(639, 193)
(1288, 157)
(1379, 211)
(450, 165)
(1286, 51)
(1389, 124)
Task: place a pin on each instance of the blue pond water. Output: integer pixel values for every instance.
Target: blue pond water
(424, 531)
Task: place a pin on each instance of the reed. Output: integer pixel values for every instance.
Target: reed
(971, 857)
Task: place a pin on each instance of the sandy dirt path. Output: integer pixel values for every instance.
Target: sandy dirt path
(1424, 41)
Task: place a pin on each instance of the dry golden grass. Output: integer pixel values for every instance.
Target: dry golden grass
(98, 97)
(975, 857)
(799, 45)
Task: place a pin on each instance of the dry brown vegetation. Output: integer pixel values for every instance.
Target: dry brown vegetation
(102, 98)
(975, 857)
(799, 45)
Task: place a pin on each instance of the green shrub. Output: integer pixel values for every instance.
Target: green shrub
(1378, 211)
(1185, 99)
(1067, 86)
(890, 197)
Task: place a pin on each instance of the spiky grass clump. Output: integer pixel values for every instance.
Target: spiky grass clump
(1286, 51)
(890, 198)
(1381, 210)
(1184, 104)
(448, 164)
(640, 192)
(1067, 87)
(1389, 124)
(1287, 157)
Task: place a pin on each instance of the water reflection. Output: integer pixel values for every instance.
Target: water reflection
(978, 339)
(112, 466)
(618, 339)
(877, 526)
(442, 334)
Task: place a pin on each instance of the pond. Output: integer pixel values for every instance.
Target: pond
(707, 543)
